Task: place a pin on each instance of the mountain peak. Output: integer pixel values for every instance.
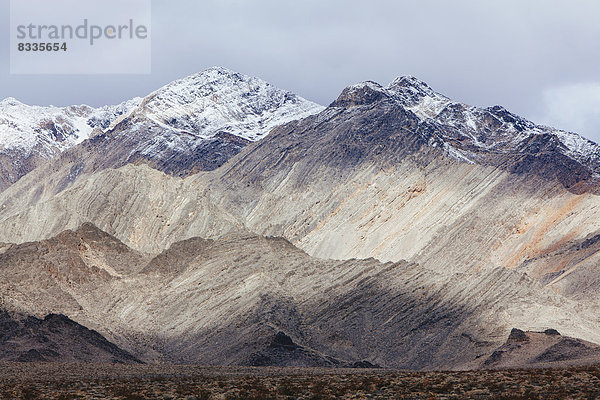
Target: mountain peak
(408, 90)
(412, 89)
(215, 73)
(210, 77)
(10, 101)
(362, 93)
(220, 100)
(218, 69)
(408, 81)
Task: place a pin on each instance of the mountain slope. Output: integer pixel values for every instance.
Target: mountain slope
(145, 208)
(369, 178)
(244, 299)
(87, 258)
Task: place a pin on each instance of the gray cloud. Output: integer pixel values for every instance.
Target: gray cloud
(527, 55)
(575, 107)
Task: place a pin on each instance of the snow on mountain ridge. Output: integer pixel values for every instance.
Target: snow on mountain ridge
(367, 84)
(191, 124)
(219, 100)
(200, 121)
(491, 129)
(416, 96)
(50, 129)
(470, 133)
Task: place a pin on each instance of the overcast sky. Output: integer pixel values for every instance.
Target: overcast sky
(539, 59)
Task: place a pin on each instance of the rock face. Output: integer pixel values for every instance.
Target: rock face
(55, 338)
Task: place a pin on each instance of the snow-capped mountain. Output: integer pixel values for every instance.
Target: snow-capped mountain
(31, 134)
(220, 100)
(199, 122)
(471, 133)
(196, 122)
(51, 129)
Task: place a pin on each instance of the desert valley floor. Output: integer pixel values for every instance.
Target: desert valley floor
(127, 382)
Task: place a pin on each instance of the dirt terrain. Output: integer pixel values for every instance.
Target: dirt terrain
(80, 381)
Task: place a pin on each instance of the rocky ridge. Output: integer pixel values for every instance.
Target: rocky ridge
(244, 299)
(31, 135)
(474, 134)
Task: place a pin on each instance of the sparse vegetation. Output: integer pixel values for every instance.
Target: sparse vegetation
(131, 382)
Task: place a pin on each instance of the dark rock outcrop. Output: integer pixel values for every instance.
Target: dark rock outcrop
(541, 349)
(517, 336)
(55, 338)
